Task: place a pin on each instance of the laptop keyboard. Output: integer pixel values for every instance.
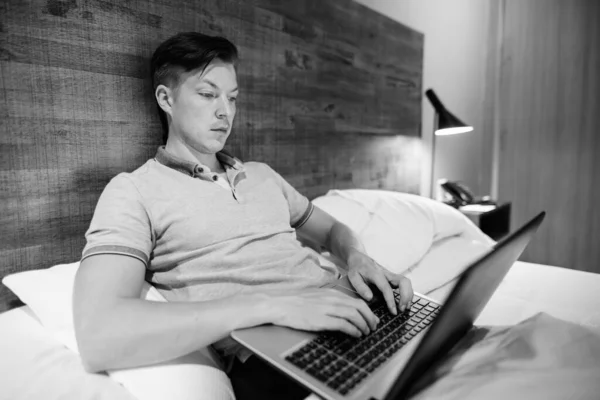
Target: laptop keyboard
(342, 362)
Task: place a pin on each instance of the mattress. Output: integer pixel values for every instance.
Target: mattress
(34, 365)
(531, 288)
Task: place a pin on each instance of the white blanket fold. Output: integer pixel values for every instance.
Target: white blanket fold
(540, 358)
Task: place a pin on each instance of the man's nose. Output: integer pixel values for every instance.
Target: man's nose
(224, 108)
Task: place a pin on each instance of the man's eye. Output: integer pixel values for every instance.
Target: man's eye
(207, 95)
(233, 99)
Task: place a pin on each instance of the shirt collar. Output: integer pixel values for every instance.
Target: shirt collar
(191, 168)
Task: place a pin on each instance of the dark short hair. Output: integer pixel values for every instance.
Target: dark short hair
(182, 53)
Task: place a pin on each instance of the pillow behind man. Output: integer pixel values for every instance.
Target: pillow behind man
(399, 229)
(198, 375)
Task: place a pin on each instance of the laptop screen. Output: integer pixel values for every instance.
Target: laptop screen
(473, 290)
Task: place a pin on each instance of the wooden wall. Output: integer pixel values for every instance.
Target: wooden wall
(549, 126)
(330, 97)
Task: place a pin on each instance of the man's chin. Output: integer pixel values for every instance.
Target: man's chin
(214, 146)
(220, 141)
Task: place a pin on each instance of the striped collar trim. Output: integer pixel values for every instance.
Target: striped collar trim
(192, 168)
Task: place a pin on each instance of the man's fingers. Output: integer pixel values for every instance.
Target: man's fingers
(367, 313)
(395, 283)
(354, 310)
(342, 325)
(352, 315)
(360, 286)
(384, 287)
(406, 291)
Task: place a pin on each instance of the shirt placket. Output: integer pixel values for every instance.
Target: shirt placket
(206, 174)
(231, 175)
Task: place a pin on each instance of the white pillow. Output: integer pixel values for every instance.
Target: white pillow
(397, 229)
(354, 214)
(48, 294)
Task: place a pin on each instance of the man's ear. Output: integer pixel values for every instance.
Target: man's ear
(164, 97)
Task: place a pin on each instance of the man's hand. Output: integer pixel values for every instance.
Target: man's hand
(322, 309)
(324, 230)
(363, 270)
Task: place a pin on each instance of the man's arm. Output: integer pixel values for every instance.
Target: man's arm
(326, 231)
(117, 329)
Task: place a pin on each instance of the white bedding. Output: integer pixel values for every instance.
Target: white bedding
(34, 365)
(531, 288)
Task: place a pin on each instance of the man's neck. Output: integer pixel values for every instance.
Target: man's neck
(179, 149)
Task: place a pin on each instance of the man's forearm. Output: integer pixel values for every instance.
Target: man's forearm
(343, 241)
(135, 332)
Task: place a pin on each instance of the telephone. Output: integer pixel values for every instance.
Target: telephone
(461, 195)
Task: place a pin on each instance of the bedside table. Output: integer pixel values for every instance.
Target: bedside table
(494, 221)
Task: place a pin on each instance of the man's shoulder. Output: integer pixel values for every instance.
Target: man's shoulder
(255, 166)
(131, 181)
(261, 169)
(142, 172)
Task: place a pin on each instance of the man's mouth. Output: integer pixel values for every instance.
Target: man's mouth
(221, 129)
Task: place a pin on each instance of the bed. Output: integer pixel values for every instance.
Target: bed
(35, 365)
(439, 238)
(76, 109)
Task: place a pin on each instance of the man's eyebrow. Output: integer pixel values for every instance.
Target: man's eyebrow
(215, 85)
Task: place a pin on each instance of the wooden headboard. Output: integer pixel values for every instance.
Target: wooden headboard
(330, 98)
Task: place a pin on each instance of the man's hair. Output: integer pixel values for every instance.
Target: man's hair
(182, 53)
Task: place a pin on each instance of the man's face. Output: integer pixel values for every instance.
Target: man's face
(204, 107)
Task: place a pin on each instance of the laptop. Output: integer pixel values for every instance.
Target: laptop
(400, 357)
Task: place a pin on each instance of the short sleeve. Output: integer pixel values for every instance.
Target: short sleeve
(120, 224)
(300, 207)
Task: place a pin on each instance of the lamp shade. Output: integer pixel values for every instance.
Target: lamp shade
(448, 123)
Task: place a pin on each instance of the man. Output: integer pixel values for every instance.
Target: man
(217, 237)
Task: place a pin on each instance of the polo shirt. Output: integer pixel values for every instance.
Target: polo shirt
(201, 239)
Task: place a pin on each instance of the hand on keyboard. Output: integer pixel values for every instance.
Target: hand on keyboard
(343, 362)
(370, 279)
(322, 309)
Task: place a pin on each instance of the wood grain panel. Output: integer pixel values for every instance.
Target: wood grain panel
(550, 114)
(330, 97)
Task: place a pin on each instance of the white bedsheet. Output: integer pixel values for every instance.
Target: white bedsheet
(33, 365)
(531, 288)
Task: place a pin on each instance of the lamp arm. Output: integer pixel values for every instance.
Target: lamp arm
(435, 101)
(435, 127)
